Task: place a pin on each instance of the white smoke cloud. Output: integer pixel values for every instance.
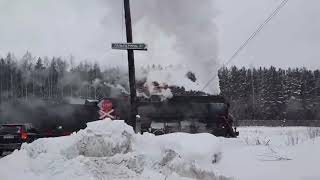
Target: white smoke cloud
(189, 27)
(177, 32)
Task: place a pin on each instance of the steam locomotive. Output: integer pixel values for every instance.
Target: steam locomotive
(192, 114)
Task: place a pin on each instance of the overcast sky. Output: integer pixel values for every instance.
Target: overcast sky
(291, 39)
(86, 28)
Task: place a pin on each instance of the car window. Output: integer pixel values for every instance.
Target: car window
(10, 129)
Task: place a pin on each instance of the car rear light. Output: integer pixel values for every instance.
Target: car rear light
(24, 136)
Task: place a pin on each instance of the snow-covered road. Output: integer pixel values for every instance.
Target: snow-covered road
(110, 150)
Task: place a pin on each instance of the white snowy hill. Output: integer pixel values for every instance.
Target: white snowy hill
(110, 150)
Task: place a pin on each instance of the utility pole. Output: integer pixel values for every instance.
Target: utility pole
(130, 47)
(132, 78)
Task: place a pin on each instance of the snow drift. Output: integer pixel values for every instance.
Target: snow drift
(111, 150)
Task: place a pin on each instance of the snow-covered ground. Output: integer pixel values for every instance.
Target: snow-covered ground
(268, 153)
(110, 150)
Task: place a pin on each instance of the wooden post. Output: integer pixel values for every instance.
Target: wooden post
(132, 79)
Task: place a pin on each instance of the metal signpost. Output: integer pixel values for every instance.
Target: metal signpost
(130, 47)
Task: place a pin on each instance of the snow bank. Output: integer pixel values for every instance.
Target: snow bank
(111, 150)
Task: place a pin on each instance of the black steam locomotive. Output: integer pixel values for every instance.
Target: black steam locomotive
(193, 114)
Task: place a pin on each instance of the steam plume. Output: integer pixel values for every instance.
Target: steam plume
(191, 24)
(177, 31)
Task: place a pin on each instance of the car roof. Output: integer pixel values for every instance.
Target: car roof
(22, 124)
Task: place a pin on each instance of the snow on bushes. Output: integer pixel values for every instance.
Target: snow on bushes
(282, 136)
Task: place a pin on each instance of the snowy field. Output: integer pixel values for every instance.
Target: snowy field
(272, 153)
(110, 150)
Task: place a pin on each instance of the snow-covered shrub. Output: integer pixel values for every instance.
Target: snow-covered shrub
(313, 132)
(172, 162)
(258, 140)
(292, 139)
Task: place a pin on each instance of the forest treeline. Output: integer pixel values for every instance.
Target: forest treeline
(272, 93)
(56, 78)
(255, 93)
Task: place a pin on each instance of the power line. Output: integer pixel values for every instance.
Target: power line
(253, 35)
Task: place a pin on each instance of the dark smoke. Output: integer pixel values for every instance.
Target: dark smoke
(46, 115)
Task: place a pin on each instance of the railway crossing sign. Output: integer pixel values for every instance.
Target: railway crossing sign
(130, 46)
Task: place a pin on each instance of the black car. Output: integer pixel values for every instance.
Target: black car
(13, 135)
